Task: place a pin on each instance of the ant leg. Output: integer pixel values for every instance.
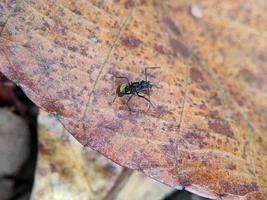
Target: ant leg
(148, 93)
(114, 99)
(123, 78)
(148, 100)
(130, 110)
(148, 90)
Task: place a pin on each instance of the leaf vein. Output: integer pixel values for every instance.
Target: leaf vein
(125, 23)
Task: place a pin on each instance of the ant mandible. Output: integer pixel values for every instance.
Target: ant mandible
(133, 89)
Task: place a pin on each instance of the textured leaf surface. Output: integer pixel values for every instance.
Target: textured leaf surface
(208, 130)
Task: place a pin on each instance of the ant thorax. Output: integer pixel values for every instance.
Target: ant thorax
(146, 84)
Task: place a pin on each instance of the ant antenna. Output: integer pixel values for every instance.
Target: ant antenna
(148, 89)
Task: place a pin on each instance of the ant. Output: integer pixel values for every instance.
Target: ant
(133, 89)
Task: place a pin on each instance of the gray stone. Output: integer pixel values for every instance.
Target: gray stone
(14, 149)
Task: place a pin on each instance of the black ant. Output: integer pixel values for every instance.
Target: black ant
(133, 89)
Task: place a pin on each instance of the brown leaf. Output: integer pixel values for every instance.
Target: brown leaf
(207, 132)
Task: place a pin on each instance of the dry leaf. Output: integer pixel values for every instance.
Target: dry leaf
(67, 170)
(207, 132)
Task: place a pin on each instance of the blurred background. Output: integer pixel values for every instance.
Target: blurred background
(40, 160)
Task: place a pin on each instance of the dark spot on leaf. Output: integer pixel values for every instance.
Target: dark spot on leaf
(262, 144)
(172, 26)
(76, 11)
(198, 77)
(143, 2)
(179, 48)
(220, 126)
(247, 75)
(237, 188)
(131, 42)
(213, 114)
(84, 50)
(259, 139)
(163, 110)
(100, 138)
(219, 141)
(74, 49)
(112, 125)
(160, 49)
(231, 166)
(129, 4)
(46, 24)
(196, 137)
(45, 64)
(237, 96)
(215, 100)
(262, 56)
(169, 151)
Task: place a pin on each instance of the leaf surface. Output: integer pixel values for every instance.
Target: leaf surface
(207, 131)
